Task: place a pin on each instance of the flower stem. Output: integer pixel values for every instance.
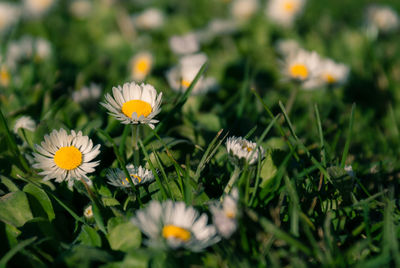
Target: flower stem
(135, 138)
(292, 98)
(232, 180)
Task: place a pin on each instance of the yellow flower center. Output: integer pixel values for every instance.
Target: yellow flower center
(289, 6)
(142, 66)
(4, 77)
(172, 231)
(136, 106)
(230, 214)
(42, 3)
(330, 79)
(299, 71)
(245, 147)
(185, 83)
(68, 158)
(132, 175)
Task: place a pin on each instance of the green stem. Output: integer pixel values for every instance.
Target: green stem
(292, 98)
(135, 138)
(232, 180)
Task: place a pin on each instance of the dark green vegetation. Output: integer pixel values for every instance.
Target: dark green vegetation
(299, 207)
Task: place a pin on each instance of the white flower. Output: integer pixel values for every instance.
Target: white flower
(330, 73)
(141, 65)
(382, 18)
(240, 148)
(81, 8)
(42, 49)
(24, 122)
(66, 157)
(284, 12)
(243, 10)
(301, 65)
(149, 19)
(175, 225)
(349, 171)
(140, 175)
(134, 104)
(87, 94)
(27, 48)
(180, 77)
(37, 8)
(225, 214)
(9, 15)
(287, 46)
(88, 212)
(185, 44)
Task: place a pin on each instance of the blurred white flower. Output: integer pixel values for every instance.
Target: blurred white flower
(5, 76)
(88, 212)
(175, 225)
(141, 65)
(225, 214)
(87, 94)
(25, 122)
(217, 28)
(149, 19)
(382, 18)
(301, 66)
(239, 148)
(184, 44)
(9, 15)
(284, 12)
(243, 10)
(81, 8)
(28, 48)
(37, 8)
(287, 46)
(181, 76)
(139, 175)
(42, 49)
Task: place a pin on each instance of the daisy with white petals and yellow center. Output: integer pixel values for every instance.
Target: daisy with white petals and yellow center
(225, 214)
(141, 65)
(284, 12)
(301, 65)
(139, 175)
(66, 157)
(175, 225)
(134, 104)
(240, 148)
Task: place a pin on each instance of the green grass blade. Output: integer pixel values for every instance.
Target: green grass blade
(20, 246)
(349, 135)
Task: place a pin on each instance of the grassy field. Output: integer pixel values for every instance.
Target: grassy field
(318, 187)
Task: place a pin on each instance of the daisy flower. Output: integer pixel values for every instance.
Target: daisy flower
(225, 214)
(184, 44)
(239, 148)
(66, 157)
(301, 65)
(284, 12)
(9, 15)
(141, 65)
(149, 19)
(175, 225)
(116, 177)
(24, 122)
(181, 76)
(382, 19)
(81, 8)
(287, 46)
(36, 8)
(87, 94)
(134, 104)
(5, 76)
(243, 10)
(88, 212)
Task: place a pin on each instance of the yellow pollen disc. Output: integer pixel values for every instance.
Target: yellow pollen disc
(138, 106)
(185, 83)
(172, 231)
(68, 158)
(132, 175)
(230, 214)
(249, 149)
(142, 66)
(299, 71)
(330, 78)
(289, 6)
(4, 77)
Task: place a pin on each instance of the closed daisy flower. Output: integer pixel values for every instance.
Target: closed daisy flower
(284, 12)
(301, 65)
(225, 214)
(141, 65)
(240, 148)
(139, 175)
(25, 122)
(175, 225)
(134, 104)
(62, 156)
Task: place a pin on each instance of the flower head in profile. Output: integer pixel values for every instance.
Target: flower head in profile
(24, 122)
(284, 12)
(184, 44)
(139, 175)
(9, 15)
(225, 214)
(301, 66)
(243, 10)
(37, 8)
(149, 19)
(66, 157)
(241, 149)
(181, 76)
(141, 65)
(134, 104)
(382, 18)
(175, 225)
(88, 212)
